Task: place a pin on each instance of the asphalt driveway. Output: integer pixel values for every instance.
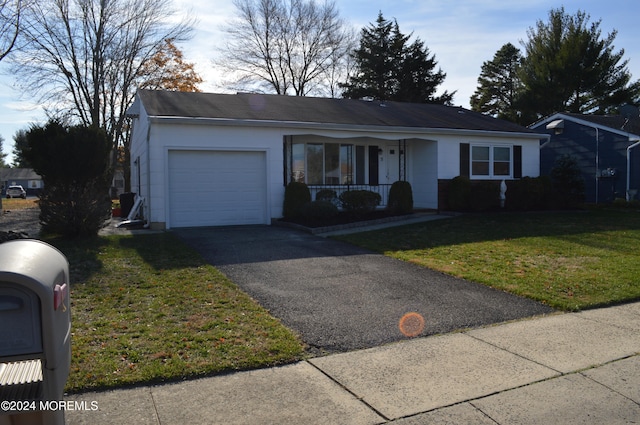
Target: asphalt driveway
(339, 297)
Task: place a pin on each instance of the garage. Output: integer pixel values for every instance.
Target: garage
(217, 188)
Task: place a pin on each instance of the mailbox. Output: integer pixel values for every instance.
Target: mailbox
(35, 331)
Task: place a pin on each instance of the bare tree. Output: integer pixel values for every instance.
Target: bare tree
(286, 45)
(10, 14)
(84, 59)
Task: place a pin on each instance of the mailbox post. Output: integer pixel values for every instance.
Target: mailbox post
(35, 332)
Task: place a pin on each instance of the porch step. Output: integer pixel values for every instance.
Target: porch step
(418, 216)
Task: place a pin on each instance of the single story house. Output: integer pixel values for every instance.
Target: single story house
(25, 177)
(202, 159)
(605, 148)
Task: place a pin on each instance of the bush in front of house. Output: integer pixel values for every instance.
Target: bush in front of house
(485, 195)
(319, 210)
(328, 195)
(623, 203)
(360, 201)
(459, 193)
(296, 195)
(528, 193)
(568, 183)
(400, 198)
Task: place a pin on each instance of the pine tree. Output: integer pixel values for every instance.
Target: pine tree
(499, 85)
(20, 145)
(3, 156)
(568, 66)
(388, 68)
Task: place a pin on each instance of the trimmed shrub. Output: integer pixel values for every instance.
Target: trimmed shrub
(528, 193)
(319, 210)
(328, 195)
(623, 203)
(400, 198)
(296, 195)
(485, 195)
(459, 195)
(568, 183)
(360, 201)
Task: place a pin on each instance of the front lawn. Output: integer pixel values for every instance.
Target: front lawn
(148, 309)
(567, 260)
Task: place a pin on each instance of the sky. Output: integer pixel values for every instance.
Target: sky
(462, 35)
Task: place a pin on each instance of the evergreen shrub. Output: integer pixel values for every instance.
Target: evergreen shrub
(296, 195)
(400, 198)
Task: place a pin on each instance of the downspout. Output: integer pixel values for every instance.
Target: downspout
(597, 164)
(637, 143)
(147, 200)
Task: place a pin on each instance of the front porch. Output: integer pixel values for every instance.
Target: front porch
(363, 163)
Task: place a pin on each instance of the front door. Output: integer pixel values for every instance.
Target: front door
(389, 165)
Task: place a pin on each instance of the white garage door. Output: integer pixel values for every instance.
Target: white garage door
(217, 188)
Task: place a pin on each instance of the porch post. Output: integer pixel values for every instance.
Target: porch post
(402, 160)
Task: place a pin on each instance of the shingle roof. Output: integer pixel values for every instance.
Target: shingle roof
(615, 122)
(261, 107)
(18, 174)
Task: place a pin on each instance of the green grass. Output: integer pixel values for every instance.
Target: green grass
(569, 261)
(148, 309)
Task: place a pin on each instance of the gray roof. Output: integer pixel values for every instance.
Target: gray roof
(18, 174)
(274, 108)
(617, 123)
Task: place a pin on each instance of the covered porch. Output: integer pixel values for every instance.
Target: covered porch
(362, 163)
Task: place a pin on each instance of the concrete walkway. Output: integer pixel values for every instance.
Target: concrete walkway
(575, 368)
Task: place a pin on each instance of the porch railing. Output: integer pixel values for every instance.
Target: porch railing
(381, 189)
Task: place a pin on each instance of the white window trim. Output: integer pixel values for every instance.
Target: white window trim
(490, 176)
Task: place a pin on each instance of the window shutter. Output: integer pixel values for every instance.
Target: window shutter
(373, 165)
(464, 159)
(517, 162)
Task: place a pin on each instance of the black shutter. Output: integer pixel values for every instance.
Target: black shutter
(360, 158)
(464, 159)
(517, 162)
(373, 165)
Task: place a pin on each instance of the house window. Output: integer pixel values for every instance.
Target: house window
(297, 162)
(322, 163)
(490, 161)
(315, 163)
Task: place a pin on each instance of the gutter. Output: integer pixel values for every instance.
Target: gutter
(333, 126)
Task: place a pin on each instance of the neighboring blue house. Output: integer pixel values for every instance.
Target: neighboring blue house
(606, 148)
(25, 177)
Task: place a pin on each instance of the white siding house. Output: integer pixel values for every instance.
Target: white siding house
(202, 159)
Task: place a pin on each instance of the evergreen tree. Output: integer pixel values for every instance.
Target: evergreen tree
(74, 163)
(568, 66)
(388, 68)
(3, 156)
(499, 85)
(19, 147)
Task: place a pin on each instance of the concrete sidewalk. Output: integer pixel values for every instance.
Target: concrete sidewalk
(575, 368)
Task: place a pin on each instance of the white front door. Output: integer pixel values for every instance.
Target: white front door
(389, 165)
